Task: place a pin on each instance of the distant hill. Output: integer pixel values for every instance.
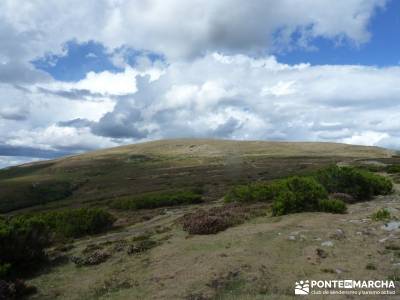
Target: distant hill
(96, 177)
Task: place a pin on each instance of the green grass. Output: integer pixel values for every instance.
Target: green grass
(381, 215)
(157, 199)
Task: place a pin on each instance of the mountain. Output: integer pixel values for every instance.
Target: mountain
(102, 175)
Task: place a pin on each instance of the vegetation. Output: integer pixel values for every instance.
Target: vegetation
(293, 194)
(18, 194)
(393, 169)
(23, 238)
(297, 194)
(381, 215)
(332, 205)
(22, 244)
(217, 219)
(360, 184)
(158, 199)
(77, 222)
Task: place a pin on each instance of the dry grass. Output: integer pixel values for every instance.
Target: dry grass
(255, 260)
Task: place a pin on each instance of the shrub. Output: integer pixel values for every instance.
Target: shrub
(300, 194)
(381, 215)
(44, 192)
(360, 184)
(293, 194)
(22, 243)
(158, 199)
(393, 169)
(16, 289)
(217, 219)
(4, 270)
(78, 222)
(335, 206)
(256, 192)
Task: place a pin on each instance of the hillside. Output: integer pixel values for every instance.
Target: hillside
(214, 165)
(199, 220)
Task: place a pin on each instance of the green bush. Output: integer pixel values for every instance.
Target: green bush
(335, 206)
(23, 238)
(45, 192)
(360, 184)
(298, 194)
(4, 270)
(381, 215)
(157, 199)
(256, 192)
(393, 169)
(22, 243)
(78, 222)
(293, 194)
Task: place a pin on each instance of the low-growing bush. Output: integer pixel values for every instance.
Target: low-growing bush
(157, 199)
(293, 194)
(23, 238)
(393, 169)
(360, 184)
(381, 215)
(4, 270)
(22, 244)
(217, 219)
(335, 206)
(78, 222)
(256, 192)
(300, 194)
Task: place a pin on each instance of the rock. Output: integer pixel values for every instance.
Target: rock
(338, 234)
(321, 253)
(391, 226)
(327, 244)
(95, 258)
(291, 238)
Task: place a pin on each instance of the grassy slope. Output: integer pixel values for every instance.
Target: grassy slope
(130, 170)
(260, 259)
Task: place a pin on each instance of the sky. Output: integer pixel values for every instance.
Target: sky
(77, 76)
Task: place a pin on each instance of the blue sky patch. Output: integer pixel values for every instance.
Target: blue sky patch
(382, 50)
(81, 58)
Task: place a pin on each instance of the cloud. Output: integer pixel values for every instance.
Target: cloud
(121, 122)
(14, 113)
(179, 28)
(76, 123)
(197, 68)
(8, 150)
(246, 98)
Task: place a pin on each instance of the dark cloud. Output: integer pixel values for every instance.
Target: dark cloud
(72, 94)
(76, 123)
(8, 150)
(226, 129)
(14, 113)
(120, 124)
